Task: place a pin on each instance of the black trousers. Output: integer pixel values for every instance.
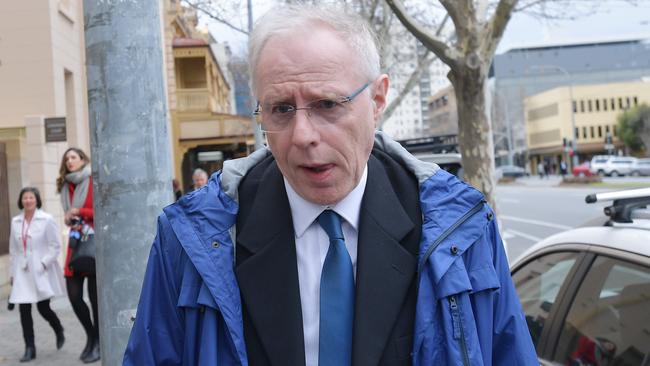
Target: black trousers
(28, 323)
(75, 285)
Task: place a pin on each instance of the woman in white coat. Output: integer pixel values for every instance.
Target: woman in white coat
(36, 275)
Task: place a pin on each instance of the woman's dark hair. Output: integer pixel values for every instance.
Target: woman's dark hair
(39, 203)
(63, 169)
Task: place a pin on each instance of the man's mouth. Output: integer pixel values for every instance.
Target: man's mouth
(318, 169)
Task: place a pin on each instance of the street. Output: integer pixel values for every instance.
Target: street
(532, 209)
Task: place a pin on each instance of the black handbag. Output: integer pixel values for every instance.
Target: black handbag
(83, 248)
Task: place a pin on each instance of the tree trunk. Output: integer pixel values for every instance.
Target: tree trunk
(474, 130)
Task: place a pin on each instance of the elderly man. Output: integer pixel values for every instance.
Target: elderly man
(199, 178)
(334, 246)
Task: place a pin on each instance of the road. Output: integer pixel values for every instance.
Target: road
(531, 209)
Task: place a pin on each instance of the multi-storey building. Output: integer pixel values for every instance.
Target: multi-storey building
(411, 118)
(43, 107)
(522, 72)
(594, 110)
(204, 129)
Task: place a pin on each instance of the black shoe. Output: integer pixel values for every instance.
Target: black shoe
(60, 339)
(93, 355)
(87, 349)
(30, 354)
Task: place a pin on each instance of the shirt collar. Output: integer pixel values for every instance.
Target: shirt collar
(304, 213)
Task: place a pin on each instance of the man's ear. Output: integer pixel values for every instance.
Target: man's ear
(379, 98)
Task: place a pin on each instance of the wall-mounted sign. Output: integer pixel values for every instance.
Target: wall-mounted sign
(55, 130)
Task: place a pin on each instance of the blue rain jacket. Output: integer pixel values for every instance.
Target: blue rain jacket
(467, 313)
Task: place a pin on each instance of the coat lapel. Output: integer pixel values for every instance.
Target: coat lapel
(268, 278)
(385, 269)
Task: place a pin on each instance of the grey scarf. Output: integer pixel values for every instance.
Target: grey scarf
(80, 180)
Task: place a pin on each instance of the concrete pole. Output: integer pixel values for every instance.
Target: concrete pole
(257, 131)
(131, 167)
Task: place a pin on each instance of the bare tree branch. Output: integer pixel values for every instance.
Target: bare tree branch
(447, 54)
(495, 27)
(213, 13)
(423, 63)
(460, 11)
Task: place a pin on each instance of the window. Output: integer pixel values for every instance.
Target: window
(597, 105)
(584, 132)
(606, 129)
(600, 131)
(591, 129)
(604, 104)
(589, 105)
(576, 133)
(582, 106)
(613, 104)
(607, 322)
(615, 132)
(575, 106)
(627, 102)
(636, 101)
(620, 103)
(538, 284)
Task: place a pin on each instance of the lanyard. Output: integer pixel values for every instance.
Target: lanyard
(24, 236)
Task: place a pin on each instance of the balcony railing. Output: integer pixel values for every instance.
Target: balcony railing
(193, 100)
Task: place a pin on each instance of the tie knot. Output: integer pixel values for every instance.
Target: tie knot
(330, 221)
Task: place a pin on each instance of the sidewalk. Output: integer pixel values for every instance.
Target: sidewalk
(12, 346)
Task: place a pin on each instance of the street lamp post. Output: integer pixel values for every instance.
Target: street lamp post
(574, 135)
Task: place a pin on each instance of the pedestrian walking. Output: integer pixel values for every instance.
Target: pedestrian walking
(75, 187)
(563, 168)
(541, 169)
(36, 276)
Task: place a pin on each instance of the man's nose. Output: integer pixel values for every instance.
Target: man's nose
(305, 131)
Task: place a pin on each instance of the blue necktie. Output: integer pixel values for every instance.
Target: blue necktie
(336, 297)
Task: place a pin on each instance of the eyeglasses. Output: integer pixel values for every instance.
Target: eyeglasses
(278, 117)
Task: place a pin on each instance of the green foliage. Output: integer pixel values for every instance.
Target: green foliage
(633, 126)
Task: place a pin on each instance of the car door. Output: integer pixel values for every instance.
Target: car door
(607, 321)
(542, 282)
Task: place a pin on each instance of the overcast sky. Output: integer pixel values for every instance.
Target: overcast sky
(615, 19)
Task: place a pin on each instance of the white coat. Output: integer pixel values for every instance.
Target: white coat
(36, 271)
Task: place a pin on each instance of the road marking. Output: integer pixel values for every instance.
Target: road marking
(519, 233)
(536, 222)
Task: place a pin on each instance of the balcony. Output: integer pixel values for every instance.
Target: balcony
(194, 100)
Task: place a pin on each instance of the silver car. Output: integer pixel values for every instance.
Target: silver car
(586, 292)
(642, 167)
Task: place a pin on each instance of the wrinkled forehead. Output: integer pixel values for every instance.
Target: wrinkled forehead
(319, 55)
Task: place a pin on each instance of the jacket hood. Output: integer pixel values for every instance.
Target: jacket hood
(444, 198)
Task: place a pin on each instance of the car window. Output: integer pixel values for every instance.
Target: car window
(607, 323)
(538, 284)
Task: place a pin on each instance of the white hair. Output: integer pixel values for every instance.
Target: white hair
(199, 172)
(297, 18)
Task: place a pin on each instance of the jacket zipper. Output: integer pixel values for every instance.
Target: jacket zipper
(458, 331)
(445, 234)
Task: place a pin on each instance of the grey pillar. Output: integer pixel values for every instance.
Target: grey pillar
(130, 152)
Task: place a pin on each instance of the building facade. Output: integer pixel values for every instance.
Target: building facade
(443, 113)
(204, 128)
(523, 72)
(42, 82)
(594, 110)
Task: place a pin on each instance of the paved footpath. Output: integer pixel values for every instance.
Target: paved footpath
(12, 346)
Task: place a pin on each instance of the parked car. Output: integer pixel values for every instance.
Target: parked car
(586, 292)
(642, 167)
(511, 171)
(612, 165)
(582, 170)
(451, 162)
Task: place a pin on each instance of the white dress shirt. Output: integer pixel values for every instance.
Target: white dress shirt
(312, 244)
